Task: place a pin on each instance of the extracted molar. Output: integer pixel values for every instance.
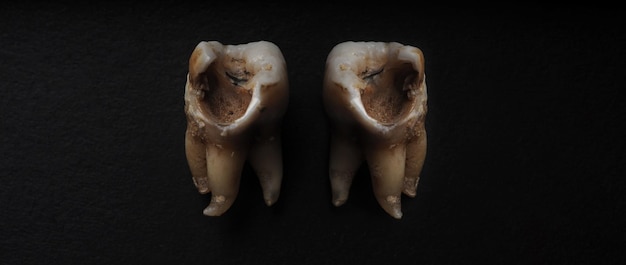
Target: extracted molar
(235, 99)
(375, 98)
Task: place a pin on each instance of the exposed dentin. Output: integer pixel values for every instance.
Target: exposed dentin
(225, 99)
(387, 95)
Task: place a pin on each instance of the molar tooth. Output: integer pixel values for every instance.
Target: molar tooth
(234, 94)
(374, 94)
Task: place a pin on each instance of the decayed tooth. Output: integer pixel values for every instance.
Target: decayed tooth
(235, 98)
(375, 99)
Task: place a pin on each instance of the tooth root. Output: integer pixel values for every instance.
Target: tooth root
(387, 166)
(196, 158)
(266, 159)
(224, 166)
(345, 158)
(415, 155)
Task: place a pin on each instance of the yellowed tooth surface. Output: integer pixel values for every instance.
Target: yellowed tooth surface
(415, 156)
(345, 159)
(196, 158)
(224, 166)
(235, 98)
(375, 98)
(387, 166)
(266, 160)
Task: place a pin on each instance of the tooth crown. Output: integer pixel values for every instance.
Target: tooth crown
(256, 74)
(358, 73)
(375, 97)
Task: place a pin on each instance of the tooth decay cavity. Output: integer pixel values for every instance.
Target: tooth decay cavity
(375, 98)
(235, 98)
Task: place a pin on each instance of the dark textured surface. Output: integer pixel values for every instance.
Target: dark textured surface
(525, 162)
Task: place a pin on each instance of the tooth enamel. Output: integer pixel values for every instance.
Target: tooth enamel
(375, 92)
(235, 98)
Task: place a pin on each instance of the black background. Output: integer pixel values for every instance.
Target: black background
(525, 161)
